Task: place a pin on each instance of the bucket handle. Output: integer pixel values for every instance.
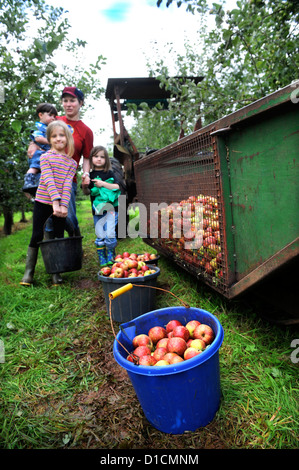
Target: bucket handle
(122, 290)
(70, 223)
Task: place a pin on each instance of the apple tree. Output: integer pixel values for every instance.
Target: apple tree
(243, 54)
(32, 35)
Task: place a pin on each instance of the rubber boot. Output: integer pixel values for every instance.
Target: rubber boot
(101, 250)
(110, 256)
(56, 279)
(31, 182)
(31, 259)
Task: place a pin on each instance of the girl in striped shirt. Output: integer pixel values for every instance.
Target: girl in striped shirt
(54, 191)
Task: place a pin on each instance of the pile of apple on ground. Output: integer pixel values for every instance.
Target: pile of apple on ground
(130, 265)
(175, 343)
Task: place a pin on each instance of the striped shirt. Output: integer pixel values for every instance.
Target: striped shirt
(57, 173)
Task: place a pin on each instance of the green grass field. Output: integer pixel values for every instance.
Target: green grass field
(60, 387)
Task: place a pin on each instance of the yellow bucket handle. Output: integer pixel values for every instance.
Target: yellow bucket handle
(120, 291)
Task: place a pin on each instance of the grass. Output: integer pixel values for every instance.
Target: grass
(61, 388)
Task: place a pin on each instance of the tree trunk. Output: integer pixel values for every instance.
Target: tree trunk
(8, 220)
(23, 218)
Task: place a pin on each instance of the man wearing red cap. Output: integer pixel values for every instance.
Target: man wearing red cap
(72, 100)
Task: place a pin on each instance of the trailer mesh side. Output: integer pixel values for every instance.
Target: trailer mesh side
(179, 191)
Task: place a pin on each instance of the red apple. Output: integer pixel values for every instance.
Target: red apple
(162, 362)
(211, 240)
(140, 264)
(177, 345)
(157, 332)
(106, 271)
(162, 343)
(142, 340)
(204, 332)
(119, 272)
(181, 332)
(130, 358)
(147, 360)
(198, 344)
(172, 324)
(191, 352)
(170, 356)
(191, 325)
(131, 274)
(133, 270)
(208, 268)
(176, 358)
(153, 256)
(142, 351)
(126, 254)
(114, 267)
(123, 265)
(148, 272)
(159, 353)
(133, 256)
(132, 263)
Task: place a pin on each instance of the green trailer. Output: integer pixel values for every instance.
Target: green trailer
(246, 166)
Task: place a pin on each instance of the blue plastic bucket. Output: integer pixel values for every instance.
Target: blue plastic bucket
(179, 397)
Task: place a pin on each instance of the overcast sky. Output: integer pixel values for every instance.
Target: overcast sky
(127, 33)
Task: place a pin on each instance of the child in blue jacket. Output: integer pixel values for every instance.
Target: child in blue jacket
(46, 113)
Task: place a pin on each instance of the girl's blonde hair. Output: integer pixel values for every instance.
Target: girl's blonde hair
(69, 138)
(94, 151)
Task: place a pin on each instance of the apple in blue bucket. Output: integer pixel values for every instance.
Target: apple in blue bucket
(156, 333)
(191, 325)
(191, 352)
(172, 324)
(179, 343)
(204, 332)
(142, 340)
(198, 344)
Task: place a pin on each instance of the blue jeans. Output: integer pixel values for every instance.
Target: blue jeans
(105, 229)
(34, 161)
(71, 220)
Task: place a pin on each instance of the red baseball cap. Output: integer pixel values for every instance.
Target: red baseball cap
(73, 91)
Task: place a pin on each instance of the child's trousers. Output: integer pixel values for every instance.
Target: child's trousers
(41, 213)
(105, 229)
